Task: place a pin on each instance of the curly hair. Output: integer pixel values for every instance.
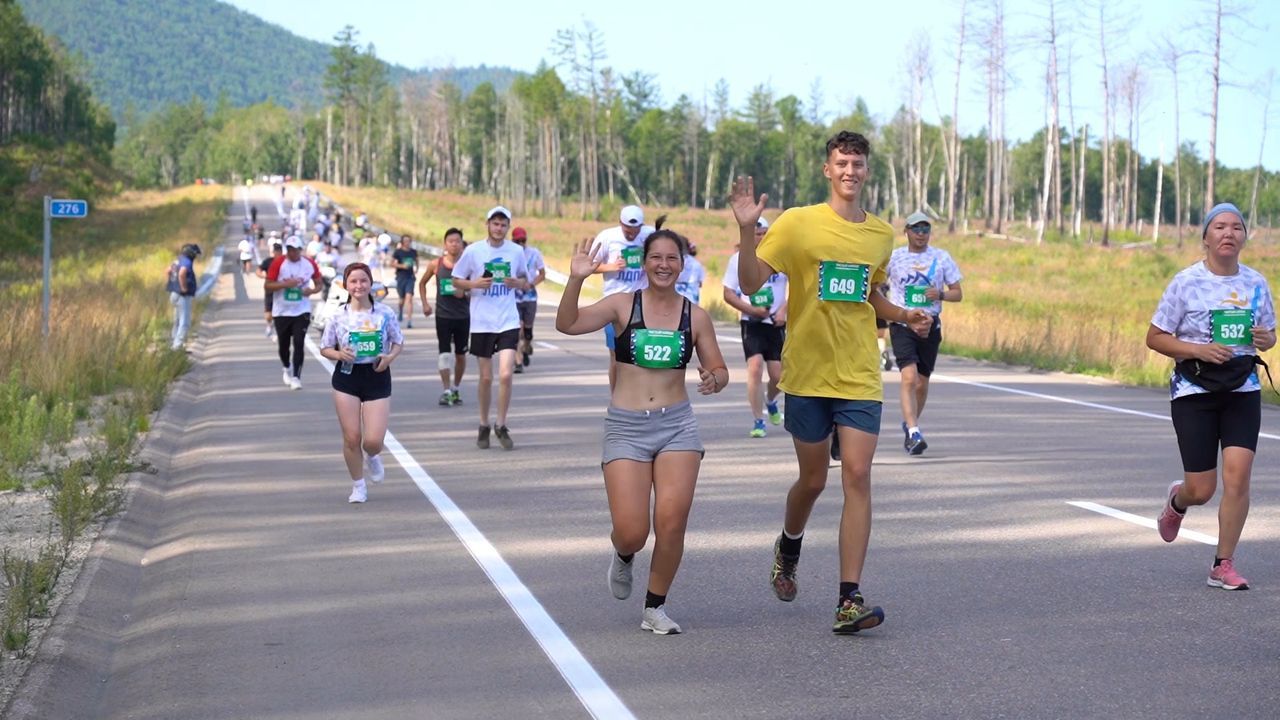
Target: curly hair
(849, 143)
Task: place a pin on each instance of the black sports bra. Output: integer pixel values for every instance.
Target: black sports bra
(656, 349)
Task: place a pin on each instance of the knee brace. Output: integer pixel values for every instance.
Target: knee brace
(446, 361)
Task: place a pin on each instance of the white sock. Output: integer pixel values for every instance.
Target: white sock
(913, 429)
(358, 483)
(880, 343)
(793, 537)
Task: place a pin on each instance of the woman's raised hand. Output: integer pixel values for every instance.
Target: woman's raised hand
(583, 263)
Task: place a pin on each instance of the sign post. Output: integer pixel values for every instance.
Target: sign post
(55, 209)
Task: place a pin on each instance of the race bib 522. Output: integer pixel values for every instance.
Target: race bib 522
(657, 349)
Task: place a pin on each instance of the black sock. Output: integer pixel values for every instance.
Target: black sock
(652, 601)
(1173, 503)
(1218, 561)
(848, 590)
(789, 546)
(626, 558)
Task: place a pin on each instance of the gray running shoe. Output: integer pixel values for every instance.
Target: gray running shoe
(620, 577)
(482, 439)
(504, 437)
(657, 622)
(446, 398)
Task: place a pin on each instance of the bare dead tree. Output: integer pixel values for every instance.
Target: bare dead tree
(994, 44)
(1171, 55)
(1107, 104)
(952, 145)
(1269, 82)
(920, 69)
(1051, 143)
(1155, 213)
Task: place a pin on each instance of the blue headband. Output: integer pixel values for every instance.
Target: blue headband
(1218, 210)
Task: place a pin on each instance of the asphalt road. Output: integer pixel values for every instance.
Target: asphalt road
(240, 584)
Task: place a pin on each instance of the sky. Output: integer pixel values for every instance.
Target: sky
(858, 51)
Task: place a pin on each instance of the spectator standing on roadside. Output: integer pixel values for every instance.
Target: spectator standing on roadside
(182, 292)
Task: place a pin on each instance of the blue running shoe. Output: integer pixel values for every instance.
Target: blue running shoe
(757, 430)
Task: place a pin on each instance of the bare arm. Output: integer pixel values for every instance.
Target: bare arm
(712, 373)
(752, 271)
(1168, 345)
(735, 301)
(572, 320)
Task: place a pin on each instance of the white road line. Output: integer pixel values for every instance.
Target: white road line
(1139, 520)
(592, 691)
(1069, 401)
(546, 345)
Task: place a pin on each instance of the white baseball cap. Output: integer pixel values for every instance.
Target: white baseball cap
(293, 242)
(632, 216)
(762, 223)
(497, 210)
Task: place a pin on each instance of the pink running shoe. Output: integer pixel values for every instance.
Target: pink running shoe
(1225, 576)
(1170, 520)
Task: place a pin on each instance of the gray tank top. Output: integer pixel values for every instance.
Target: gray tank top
(448, 306)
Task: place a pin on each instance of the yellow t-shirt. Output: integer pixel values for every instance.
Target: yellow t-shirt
(830, 350)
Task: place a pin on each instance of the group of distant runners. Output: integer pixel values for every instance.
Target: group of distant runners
(810, 289)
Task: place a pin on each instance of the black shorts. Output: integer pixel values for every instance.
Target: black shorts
(267, 300)
(404, 285)
(881, 324)
(762, 339)
(528, 311)
(911, 349)
(363, 382)
(453, 335)
(486, 345)
(1206, 421)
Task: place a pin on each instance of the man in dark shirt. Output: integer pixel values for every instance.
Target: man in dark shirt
(405, 261)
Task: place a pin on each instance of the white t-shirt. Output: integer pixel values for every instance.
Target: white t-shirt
(773, 291)
(689, 284)
(304, 268)
(248, 249)
(493, 310)
(632, 277)
(932, 268)
(1187, 308)
(533, 265)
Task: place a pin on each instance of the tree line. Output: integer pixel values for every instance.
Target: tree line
(575, 137)
(41, 94)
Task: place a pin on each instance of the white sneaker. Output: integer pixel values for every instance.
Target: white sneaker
(376, 471)
(267, 332)
(657, 622)
(288, 377)
(295, 383)
(360, 493)
(620, 576)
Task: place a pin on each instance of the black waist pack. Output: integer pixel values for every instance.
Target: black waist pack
(1225, 377)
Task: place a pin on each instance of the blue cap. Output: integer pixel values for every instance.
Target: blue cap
(1218, 210)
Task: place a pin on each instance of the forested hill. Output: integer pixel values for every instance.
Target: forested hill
(154, 52)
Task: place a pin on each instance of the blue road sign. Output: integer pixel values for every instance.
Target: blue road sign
(68, 208)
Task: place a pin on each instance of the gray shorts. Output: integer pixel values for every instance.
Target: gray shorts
(641, 435)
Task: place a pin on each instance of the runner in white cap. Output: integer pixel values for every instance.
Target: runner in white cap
(294, 279)
(920, 276)
(621, 250)
(492, 271)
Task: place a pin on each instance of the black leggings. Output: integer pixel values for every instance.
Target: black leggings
(292, 330)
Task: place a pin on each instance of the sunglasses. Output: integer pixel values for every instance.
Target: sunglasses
(921, 229)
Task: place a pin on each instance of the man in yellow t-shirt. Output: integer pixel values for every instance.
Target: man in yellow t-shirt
(834, 254)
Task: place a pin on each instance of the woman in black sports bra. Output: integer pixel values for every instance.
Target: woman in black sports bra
(651, 443)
